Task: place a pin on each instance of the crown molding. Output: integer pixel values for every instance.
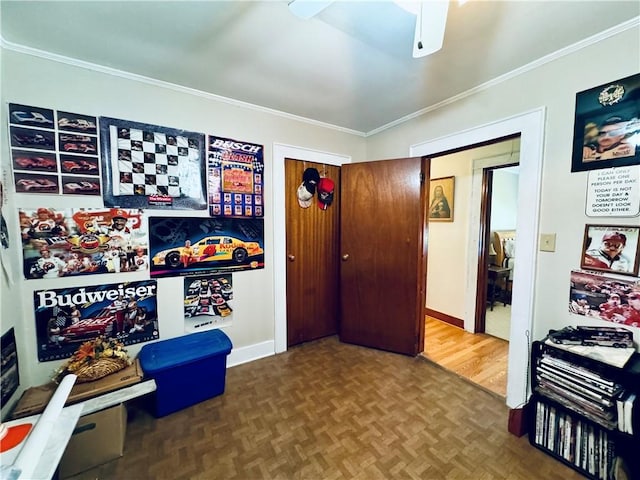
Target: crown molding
(611, 32)
(7, 45)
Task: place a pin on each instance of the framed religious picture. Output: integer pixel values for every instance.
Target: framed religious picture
(611, 248)
(607, 126)
(441, 198)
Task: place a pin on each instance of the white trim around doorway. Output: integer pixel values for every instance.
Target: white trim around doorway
(530, 125)
(280, 153)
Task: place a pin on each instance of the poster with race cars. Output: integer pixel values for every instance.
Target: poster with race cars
(53, 151)
(10, 377)
(201, 245)
(235, 174)
(149, 166)
(67, 317)
(605, 296)
(69, 242)
(207, 302)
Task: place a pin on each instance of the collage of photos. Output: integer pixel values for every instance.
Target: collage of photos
(142, 167)
(54, 152)
(207, 302)
(235, 171)
(605, 297)
(150, 166)
(70, 242)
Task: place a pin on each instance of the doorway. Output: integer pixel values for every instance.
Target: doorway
(313, 239)
(531, 126)
(502, 199)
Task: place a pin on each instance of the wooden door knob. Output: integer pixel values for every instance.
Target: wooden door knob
(291, 257)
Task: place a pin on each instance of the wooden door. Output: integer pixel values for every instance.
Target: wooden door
(383, 267)
(313, 265)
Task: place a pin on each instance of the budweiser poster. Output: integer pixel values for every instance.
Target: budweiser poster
(67, 317)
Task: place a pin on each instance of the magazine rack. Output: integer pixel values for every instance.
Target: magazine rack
(583, 411)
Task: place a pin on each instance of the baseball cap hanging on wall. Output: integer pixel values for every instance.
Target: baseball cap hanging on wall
(307, 188)
(310, 178)
(325, 192)
(304, 196)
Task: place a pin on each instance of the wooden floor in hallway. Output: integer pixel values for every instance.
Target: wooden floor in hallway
(480, 358)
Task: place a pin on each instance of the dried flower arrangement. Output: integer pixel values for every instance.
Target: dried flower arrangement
(95, 359)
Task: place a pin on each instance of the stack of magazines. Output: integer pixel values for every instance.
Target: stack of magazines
(578, 388)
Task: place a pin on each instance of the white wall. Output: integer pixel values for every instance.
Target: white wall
(504, 200)
(42, 82)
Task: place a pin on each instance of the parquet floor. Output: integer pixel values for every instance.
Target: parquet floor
(327, 410)
(479, 357)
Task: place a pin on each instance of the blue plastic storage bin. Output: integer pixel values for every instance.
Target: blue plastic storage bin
(187, 369)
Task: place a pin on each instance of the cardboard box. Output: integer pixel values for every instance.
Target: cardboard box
(98, 438)
(35, 399)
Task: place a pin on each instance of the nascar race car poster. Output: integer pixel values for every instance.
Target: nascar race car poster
(197, 246)
(207, 302)
(148, 166)
(37, 168)
(606, 297)
(235, 174)
(65, 318)
(68, 242)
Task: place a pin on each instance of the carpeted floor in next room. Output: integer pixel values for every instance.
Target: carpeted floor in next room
(327, 410)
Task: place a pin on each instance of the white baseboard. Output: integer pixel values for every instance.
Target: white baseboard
(241, 355)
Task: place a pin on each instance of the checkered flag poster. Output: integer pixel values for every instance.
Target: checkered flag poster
(149, 166)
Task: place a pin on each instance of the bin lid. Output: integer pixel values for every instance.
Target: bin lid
(178, 351)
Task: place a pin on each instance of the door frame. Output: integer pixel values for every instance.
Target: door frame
(280, 152)
(530, 126)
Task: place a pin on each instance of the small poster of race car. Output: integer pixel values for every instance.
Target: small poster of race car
(29, 161)
(67, 317)
(25, 115)
(32, 138)
(70, 242)
(207, 302)
(31, 183)
(75, 122)
(41, 144)
(80, 185)
(197, 245)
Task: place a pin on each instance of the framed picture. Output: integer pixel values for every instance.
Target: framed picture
(441, 199)
(611, 248)
(607, 126)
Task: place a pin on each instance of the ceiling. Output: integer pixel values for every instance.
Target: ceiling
(351, 66)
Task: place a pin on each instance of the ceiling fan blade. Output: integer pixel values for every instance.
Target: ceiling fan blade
(306, 9)
(430, 26)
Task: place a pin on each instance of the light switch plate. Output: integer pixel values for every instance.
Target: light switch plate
(547, 242)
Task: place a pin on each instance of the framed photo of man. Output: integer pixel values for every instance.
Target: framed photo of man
(441, 199)
(607, 126)
(611, 248)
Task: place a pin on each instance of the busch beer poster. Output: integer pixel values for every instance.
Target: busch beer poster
(68, 242)
(207, 302)
(65, 318)
(235, 175)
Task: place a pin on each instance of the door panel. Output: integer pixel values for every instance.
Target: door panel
(383, 267)
(313, 268)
